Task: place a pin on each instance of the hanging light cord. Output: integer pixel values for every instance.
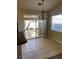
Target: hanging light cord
(43, 9)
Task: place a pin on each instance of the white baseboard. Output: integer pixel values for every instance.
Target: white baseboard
(55, 39)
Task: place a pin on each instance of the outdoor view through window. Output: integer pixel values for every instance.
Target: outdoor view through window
(56, 23)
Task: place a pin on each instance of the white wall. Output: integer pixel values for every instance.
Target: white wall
(20, 20)
(56, 10)
(57, 36)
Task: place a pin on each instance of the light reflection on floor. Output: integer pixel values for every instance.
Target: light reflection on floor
(29, 34)
(40, 48)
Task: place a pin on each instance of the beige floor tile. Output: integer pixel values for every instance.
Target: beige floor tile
(40, 48)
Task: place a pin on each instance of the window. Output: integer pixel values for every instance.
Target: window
(31, 16)
(56, 23)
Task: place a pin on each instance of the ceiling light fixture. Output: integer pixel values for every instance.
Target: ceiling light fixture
(40, 4)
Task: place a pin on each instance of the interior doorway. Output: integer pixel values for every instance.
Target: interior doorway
(31, 28)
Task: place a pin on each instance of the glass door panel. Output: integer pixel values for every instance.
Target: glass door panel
(31, 29)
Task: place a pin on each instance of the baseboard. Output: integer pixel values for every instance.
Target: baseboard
(57, 40)
(54, 39)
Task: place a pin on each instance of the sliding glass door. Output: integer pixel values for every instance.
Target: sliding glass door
(34, 27)
(31, 29)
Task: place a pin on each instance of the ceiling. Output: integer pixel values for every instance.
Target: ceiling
(33, 4)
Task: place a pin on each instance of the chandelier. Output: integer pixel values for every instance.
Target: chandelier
(43, 14)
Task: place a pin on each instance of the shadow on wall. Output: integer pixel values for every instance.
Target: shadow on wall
(57, 36)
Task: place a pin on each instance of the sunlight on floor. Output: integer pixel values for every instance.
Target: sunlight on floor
(31, 34)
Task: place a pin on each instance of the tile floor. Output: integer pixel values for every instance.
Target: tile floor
(40, 48)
